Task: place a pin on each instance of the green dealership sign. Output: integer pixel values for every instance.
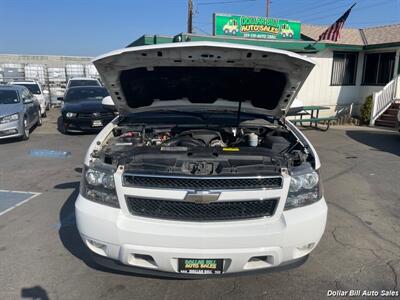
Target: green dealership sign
(256, 27)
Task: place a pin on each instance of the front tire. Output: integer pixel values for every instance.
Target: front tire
(25, 129)
(61, 126)
(40, 121)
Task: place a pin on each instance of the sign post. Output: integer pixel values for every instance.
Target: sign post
(255, 27)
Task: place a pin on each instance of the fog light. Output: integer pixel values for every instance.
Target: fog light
(303, 250)
(97, 247)
(306, 247)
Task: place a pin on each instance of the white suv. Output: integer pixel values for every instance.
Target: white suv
(201, 174)
(82, 81)
(36, 89)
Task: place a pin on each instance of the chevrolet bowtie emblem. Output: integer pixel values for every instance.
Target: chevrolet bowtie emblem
(201, 197)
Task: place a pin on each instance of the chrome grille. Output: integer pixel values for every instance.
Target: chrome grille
(202, 183)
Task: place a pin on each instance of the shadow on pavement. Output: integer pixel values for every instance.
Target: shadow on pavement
(379, 140)
(35, 292)
(70, 238)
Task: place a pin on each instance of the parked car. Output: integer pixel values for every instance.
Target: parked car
(82, 81)
(36, 89)
(82, 109)
(19, 112)
(398, 119)
(201, 174)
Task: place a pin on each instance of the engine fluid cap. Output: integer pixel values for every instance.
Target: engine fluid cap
(231, 149)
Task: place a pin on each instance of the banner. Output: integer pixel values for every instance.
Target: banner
(256, 27)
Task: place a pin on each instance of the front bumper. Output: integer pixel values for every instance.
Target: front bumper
(85, 124)
(130, 240)
(11, 129)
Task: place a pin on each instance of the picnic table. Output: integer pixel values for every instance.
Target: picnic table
(312, 113)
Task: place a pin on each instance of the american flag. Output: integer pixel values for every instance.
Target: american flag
(333, 31)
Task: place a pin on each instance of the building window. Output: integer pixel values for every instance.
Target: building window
(344, 68)
(378, 68)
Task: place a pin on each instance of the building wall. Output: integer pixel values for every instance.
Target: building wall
(317, 89)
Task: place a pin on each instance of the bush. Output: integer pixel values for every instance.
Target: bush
(366, 110)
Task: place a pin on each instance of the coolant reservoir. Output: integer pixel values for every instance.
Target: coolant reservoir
(253, 139)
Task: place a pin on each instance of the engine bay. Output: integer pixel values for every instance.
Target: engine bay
(203, 150)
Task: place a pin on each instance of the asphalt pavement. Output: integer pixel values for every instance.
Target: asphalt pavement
(42, 256)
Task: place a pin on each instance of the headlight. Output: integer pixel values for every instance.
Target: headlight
(98, 185)
(9, 118)
(304, 189)
(70, 115)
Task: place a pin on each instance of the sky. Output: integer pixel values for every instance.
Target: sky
(90, 28)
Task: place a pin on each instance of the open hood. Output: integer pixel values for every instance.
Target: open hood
(203, 75)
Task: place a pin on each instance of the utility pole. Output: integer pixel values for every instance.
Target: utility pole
(190, 17)
(267, 8)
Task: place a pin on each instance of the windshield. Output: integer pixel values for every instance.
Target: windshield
(33, 88)
(8, 97)
(84, 82)
(94, 93)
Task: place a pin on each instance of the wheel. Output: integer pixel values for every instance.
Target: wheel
(61, 126)
(233, 32)
(226, 31)
(25, 129)
(39, 121)
(44, 115)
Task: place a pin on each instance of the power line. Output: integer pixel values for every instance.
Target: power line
(225, 2)
(361, 8)
(309, 7)
(316, 12)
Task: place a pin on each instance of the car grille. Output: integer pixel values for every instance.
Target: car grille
(199, 183)
(96, 115)
(189, 211)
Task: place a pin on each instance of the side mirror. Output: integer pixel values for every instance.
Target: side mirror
(46, 92)
(108, 103)
(29, 100)
(60, 98)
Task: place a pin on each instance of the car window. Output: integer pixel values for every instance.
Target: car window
(8, 97)
(77, 94)
(26, 94)
(84, 82)
(33, 88)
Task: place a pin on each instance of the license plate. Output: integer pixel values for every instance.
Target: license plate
(97, 123)
(200, 266)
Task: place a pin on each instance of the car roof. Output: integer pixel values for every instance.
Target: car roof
(12, 87)
(24, 82)
(83, 78)
(86, 86)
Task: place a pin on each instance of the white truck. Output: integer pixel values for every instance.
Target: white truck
(201, 174)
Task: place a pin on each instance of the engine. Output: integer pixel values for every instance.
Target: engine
(189, 138)
(202, 151)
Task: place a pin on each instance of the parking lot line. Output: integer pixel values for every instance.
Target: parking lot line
(12, 199)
